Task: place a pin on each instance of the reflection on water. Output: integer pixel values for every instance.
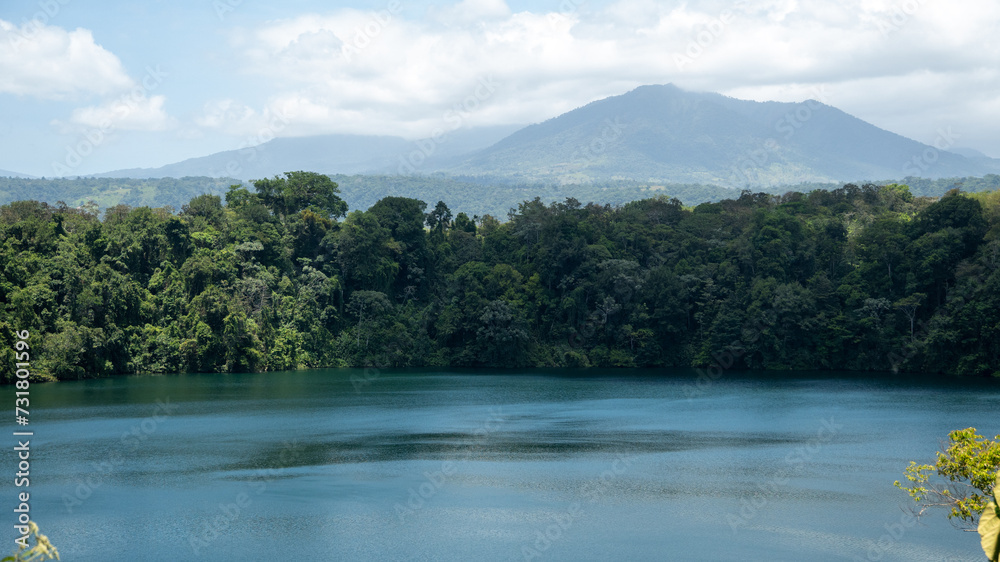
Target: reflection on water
(426, 465)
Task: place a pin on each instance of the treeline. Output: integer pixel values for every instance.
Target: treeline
(935, 187)
(281, 276)
(97, 194)
(476, 195)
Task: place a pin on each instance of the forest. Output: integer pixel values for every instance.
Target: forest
(282, 275)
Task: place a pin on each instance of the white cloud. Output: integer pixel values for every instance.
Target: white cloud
(387, 72)
(126, 114)
(52, 63)
(471, 12)
(232, 118)
(225, 113)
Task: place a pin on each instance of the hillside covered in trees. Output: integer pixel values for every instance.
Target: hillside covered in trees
(96, 194)
(283, 276)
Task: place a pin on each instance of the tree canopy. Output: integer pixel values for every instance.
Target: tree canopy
(856, 278)
(298, 191)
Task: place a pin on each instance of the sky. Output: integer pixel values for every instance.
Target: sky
(93, 86)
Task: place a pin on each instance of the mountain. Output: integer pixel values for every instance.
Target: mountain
(663, 133)
(330, 154)
(6, 174)
(657, 134)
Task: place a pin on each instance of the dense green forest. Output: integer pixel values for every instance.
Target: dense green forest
(281, 275)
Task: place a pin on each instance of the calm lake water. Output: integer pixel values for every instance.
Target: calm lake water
(493, 465)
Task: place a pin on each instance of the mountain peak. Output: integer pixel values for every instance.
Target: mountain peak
(657, 133)
(668, 87)
(653, 91)
(663, 133)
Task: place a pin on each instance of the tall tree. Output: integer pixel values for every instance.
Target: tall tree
(301, 190)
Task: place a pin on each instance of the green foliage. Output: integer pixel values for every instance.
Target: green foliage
(42, 549)
(281, 277)
(301, 190)
(103, 193)
(969, 465)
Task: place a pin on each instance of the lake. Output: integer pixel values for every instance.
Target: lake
(494, 465)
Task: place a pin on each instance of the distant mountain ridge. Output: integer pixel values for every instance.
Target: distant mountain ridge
(9, 174)
(329, 154)
(657, 133)
(663, 133)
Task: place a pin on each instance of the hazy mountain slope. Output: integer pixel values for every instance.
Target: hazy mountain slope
(325, 154)
(663, 133)
(842, 146)
(658, 134)
(653, 140)
(651, 133)
(9, 174)
(328, 154)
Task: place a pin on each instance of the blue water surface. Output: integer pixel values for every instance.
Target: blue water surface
(494, 465)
